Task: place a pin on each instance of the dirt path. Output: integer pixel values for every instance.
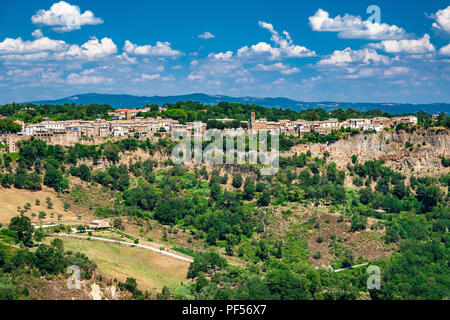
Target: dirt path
(170, 254)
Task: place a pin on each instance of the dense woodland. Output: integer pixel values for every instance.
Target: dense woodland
(413, 212)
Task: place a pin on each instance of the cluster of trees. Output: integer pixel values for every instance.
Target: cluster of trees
(21, 267)
(9, 126)
(113, 177)
(39, 163)
(215, 124)
(391, 192)
(179, 200)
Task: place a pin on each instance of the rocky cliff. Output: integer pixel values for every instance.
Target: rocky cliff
(420, 151)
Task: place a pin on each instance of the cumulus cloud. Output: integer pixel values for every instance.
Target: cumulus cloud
(64, 17)
(92, 49)
(395, 71)
(347, 56)
(284, 46)
(206, 35)
(422, 45)
(352, 27)
(443, 19)
(445, 50)
(221, 55)
(282, 68)
(18, 46)
(37, 34)
(45, 48)
(362, 73)
(162, 49)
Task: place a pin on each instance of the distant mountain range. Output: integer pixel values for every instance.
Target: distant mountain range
(130, 101)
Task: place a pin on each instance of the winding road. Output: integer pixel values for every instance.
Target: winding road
(170, 254)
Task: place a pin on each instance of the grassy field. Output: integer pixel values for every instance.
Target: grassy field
(151, 269)
(10, 199)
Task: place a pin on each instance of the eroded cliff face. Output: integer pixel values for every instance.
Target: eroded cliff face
(425, 156)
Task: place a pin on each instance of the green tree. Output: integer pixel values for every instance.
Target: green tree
(249, 189)
(237, 180)
(23, 228)
(264, 198)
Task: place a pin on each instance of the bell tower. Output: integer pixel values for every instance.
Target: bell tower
(252, 120)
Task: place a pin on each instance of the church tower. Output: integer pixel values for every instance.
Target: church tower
(252, 120)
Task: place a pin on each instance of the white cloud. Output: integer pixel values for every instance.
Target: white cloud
(290, 71)
(363, 73)
(279, 81)
(346, 56)
(12, 58)
(206, 35)
(177, 67)
(75, 78)
(272, 67)
(193, 77)
(352, 27)
(221, 55)
(443, 19)
(45, 48)
(394, 71)
(260, 48)
(422, 45)
(37, 34)
(284, 46)
(92, 49)
(126, 58)
(18, 46)
(65, 17)
(160, 49)
(311, 80)
(445, 50)
(245, 80)
(145, 76)
(282, 68)
(168, 78)
(211, 67)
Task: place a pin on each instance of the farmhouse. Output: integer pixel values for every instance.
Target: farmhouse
(99, 224)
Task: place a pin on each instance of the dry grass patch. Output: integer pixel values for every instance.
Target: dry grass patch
(152, 270)
(11, 199)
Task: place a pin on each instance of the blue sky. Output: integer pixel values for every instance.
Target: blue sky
(310, 51)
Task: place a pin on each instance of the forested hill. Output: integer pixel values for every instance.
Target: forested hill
(130, 101)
